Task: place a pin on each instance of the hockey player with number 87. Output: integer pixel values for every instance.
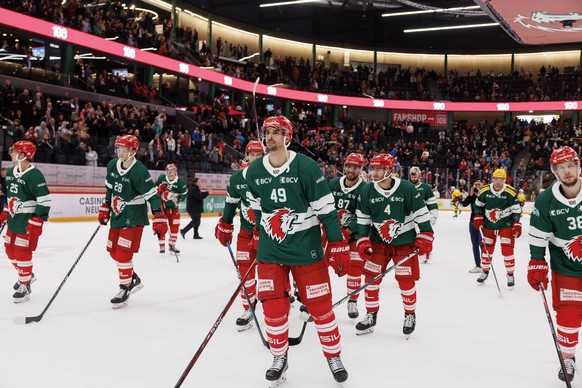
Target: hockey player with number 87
(129, 189)
(290, 198)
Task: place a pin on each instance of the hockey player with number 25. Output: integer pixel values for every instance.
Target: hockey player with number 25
(290, 197)
(129, 188)
(556, 223)
(389, 209)
(27, 210)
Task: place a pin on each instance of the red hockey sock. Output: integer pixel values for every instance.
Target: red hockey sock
(408, 292)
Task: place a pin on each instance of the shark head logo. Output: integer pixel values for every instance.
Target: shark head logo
(248, 214)
(14, 205)
(117, 205)
(280, 223)
(388, 230)
(344, 217)
(573, 249)
(493, 215)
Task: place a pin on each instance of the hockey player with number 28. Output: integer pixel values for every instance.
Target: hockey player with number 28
(129, 188)
(389, 210)
(290, 197)
(556, 223)
(345, 191)
(171, 188)
(27, 210)
(245, 254)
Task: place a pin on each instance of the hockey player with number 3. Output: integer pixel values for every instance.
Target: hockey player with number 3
(245, 253)
(27, 210)
(290, 198)
(129, 188)
(171, 188)
(429, 200)
(389, 210)
(556, 224)
(345, 191)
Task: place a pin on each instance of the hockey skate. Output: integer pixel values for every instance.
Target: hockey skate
(162, 249)
(570, 364)
(173, 249)
(510, 280)
(409, 324)
(135, 285)
(22, 294)
(277, 373)
(481, 279)
(120, 300)
(367, 325)
(245, 321)
(17, 284)
(353, 309)
(340, 374)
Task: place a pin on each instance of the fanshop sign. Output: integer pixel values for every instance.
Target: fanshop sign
(435, 119)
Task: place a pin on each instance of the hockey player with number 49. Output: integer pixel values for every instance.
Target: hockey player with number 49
(556, 225)
(429, 200)
(27, 210)
(245, 254)
(129, 189)
(290, 198)
(389, 210)
(171, 189)
(345, 191)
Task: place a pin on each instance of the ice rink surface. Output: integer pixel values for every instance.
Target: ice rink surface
(466, 335)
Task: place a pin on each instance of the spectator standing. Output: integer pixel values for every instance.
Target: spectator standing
(474, 233)
(194, 207)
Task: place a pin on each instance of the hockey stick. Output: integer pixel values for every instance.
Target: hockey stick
(25, 320)
(213, 328)
(248, 298)
(554, 336)
(374, 279)
(490, 260)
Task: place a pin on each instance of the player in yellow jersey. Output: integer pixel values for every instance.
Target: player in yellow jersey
(521, 199)
(456, 198)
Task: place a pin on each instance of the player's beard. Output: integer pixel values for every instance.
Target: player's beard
(570, 182)
(414, 181)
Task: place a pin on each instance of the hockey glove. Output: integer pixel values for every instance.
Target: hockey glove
(516, 229)
(254, 243)
(338, 255)
(537, 272)
(223, 232)
(434, 216)
(164, 193)
(478, 221)
(424, 242)
(159, 223)
(364, 248)
(34, 227)
(4, 216)
(104, 213)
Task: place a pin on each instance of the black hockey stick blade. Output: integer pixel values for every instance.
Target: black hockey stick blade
(297, 340)
(26, 320)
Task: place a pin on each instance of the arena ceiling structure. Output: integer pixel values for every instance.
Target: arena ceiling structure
(431, 26)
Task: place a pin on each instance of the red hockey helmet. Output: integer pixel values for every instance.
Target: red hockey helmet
(254, 146)
(128, 141)
(382, 160)
(279, 122)
(355, 159)
(25, 147)
(171, 166)
(563, 154)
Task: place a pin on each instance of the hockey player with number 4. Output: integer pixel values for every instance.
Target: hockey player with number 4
(345, 191)
(27, 209)
(497, 213)
(429, 200)
(290, 198)
(129, 189)
(171, 189)
(556, 225)
(245, 253)
(389, 211)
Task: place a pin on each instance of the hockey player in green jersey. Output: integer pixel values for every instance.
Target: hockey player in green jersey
(556, 223)
(290, 198)
(497, 213)
(171, 189)
(429, 200)
(245, 254)
(345, 191)
(27, 209)
(129, 188)
(389, 211)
